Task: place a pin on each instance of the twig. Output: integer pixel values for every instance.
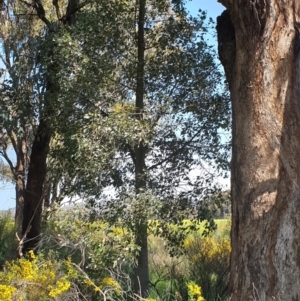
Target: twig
(21, 241)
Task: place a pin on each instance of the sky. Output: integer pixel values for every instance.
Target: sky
(213, 8)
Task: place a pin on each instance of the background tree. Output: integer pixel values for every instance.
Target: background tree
(21, 91)
(263, 76)
(37, 169)
(155, 118)
(29, 98)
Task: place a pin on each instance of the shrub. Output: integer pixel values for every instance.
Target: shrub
(208, 264)
(168, 274)
(8, 244)
(34, 278)
(99, 251)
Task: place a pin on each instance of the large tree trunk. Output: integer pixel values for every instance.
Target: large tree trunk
(265, 93)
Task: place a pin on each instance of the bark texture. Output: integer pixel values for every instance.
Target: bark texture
(34, 189)
(265, 93)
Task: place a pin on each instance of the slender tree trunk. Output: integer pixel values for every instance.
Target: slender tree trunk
(141, 277)
(265, 177)
(141, 273)
(19, 172)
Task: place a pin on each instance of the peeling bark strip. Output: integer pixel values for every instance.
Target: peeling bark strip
(265, 93)
(258, 10)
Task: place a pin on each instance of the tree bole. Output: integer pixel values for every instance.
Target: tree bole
(265, 175)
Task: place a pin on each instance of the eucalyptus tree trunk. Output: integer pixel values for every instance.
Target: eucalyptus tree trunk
(34, 194)
(32, 213)
(260, 54)
(141, 273)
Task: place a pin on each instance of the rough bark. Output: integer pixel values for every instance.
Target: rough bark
(141, 273)
(265, 178)
(34, 189)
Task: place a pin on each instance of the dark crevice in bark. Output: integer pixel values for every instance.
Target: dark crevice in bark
(297, 40)
(226, 44)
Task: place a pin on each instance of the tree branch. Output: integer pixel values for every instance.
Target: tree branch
(5, 156)
(5, 62)
(39, 8)
(13, 140)
(26, 3)
(175, 152)
(55, 3)
(71, 10)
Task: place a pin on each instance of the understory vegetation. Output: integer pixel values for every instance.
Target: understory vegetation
(81, 260)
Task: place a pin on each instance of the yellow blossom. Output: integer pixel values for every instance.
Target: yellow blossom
(61, 287)
(110, 282)
(6, 292)
(194, 292)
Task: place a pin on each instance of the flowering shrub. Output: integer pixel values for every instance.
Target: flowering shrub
(107, 286)
(208, 263)
(35, 278)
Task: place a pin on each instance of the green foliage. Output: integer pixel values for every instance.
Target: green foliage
(7, 238)
(184, 107)
(99, 250)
